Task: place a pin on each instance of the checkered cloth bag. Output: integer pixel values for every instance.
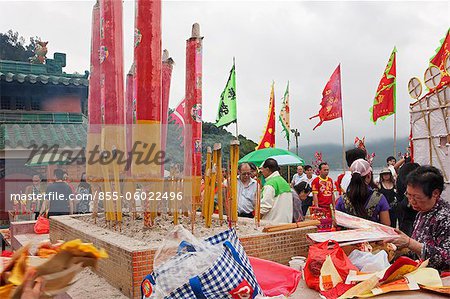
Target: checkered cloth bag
(230, 275)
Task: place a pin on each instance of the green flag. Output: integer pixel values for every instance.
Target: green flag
(285, 114)
(227, 112)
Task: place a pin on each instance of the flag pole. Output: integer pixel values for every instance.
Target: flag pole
(343, 143)
(237, 131)
(289, 167)
(342, 127)
(395, 134)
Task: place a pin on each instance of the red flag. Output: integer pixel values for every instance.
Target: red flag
(177, 116)
(439, 59)
(384, 102)
(331, 99)
(442, 53)
(268, 140)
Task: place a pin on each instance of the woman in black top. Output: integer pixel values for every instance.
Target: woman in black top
(386, 186)
(407, 214)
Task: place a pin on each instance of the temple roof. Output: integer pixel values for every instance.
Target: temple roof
(67, 130)
(50, 72)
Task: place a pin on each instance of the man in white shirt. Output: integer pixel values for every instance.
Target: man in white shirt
(309, 177)
(351, 156)
(300, 176)
(246, 191)
(276, 201)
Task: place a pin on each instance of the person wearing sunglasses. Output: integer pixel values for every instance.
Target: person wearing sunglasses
(430, 238)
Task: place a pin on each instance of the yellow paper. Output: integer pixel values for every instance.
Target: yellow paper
(425, 276)
(329, 276)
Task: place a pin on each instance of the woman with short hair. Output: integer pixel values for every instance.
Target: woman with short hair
(431, 233)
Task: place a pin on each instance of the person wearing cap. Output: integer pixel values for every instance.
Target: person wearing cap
(386, 186)
(360, 199)
(276, 201)
(431, 235)
(351, 156)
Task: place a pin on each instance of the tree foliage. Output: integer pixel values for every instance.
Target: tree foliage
(210, 135)
(13, 46)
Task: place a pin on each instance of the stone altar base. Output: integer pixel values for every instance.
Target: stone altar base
(130, 260)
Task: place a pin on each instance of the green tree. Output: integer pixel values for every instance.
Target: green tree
(13, 46)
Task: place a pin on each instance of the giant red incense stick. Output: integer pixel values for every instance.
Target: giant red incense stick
(94, 100)
(167, 65)
(112, 88)
(193, 114)
(147, 55)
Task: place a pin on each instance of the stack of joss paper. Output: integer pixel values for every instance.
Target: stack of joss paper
(55, 264)
(404, 274)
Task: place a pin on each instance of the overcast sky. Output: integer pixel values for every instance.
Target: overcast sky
(302, 42)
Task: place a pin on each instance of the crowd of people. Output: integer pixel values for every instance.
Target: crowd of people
(63, 188)
(406, 196)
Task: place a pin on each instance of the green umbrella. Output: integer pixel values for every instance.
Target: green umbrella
(259, 156)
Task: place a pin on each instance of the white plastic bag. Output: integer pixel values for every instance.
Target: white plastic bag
(369, 262)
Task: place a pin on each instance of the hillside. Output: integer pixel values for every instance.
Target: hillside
(332, 153)
(211, 135)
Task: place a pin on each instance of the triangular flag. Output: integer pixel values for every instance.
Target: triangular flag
(285, 114)
(331, 99)
(384, 101)
(227, 112)
(268, 140)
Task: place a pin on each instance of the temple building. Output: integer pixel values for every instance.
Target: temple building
(40, 106)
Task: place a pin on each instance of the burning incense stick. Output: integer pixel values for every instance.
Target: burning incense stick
(219, 179)
(234, 158)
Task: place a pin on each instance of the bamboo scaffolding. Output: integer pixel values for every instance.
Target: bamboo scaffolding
(430, 141)
(444, 117)
(234, 158)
